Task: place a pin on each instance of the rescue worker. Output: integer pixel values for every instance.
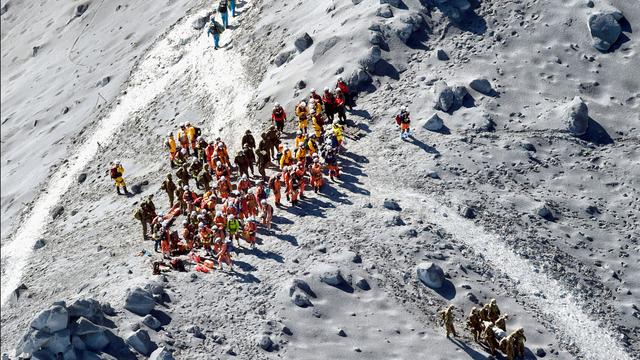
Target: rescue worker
(243, 184)
(188, 197)
(332, 164)
(338, 132)
(316, 175)
(183, 174)
(340, 106)
(447, 317)
(179, 193)
(278, 116)
(344, 89)
(192, 134)
(272, 140)
(170, 188)
(489, 337)
(204, 179)
(300, 139)
(404, 122)
(173, 148)
(501, 322)
(139, 214)
(117, 173)
(201, 147)
(223, 254)
(276, 186)
(181, 157)
(233, 227)
(248, 140)
(329, 102)
(267, 213)
(515, 344)
(251, 157)
(242, 163)
(287, 158)
(249, 232)
(263, 160)
(302, 112)
(187, 234)
(224, 187)
(493, 311)
(183, 137)
(317, 98)
(474, 323)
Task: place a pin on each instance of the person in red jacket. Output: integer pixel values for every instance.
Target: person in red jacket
(329, 102)
(278, 116)
(349, 101)
(341, 102)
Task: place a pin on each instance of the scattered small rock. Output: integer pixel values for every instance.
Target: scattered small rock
(57, 211)
(469, 212)
(391, 204)
(545, 212)
(444, 96)
(300, 84)
(342, 333)
(151, 322)
(301, 299)
(434, 123)
(35, 50)
(81, 9)
(161, 353)
(394, 220)
(528, 146)
(384, 12)
(141, 342)
(283, 57)
(331, 275)
(105, 80)
(303, 42)
(442, 55)
(265, 342)
(82, 177)
(363, 284)
(540, 352)
(39, 244)
(482, 86)
(576, 116)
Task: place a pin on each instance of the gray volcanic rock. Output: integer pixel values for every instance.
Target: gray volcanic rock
(430, 274)
(604, 29)
(576, 116)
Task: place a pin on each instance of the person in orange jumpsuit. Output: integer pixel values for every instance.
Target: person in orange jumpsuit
(224, 187)
(223, 254)
(294, 187)
(251, 204)
(300, 172)
(243, 184)
(276, 186)
(267, 214)
(205, 233)
(188, 197)
(316, 175)
(221, 151)
(249, 232)
(187, 234)
(165, 243)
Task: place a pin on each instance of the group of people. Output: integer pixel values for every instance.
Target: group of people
(222, 200)
(489, 327)
(215, 28)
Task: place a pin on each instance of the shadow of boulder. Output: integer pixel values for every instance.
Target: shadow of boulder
(596, 134)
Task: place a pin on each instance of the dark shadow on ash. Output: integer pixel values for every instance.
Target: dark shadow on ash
(596, 134)
(469, 101)
(362, 113)
(384, 68)
(266, 255)
(427, 148)
(358, 159)
(288, 238)
(476, 355)
(444, 131)
(418, 39)
(118, 348)
(280, 220)
(622, 39)
(344, 286)
(447, 291)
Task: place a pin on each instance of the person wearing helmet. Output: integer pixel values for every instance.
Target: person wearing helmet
(340, 106)
(233, 227)
(183, 174)
(315, 96)
(249, 231)
(221, 151)
(223, 254)
(116, 173)
(183, 137)
(278, 116)
(189, 198)
(403, 119)
(250, 204)
(243, 184)
(250, 156)
(201, 147)
(173, 148)
(224, 187)
(302, 112)
(170, 188)
(203, 180)
(316, 175)
(329, 101)
(286, 159)
(192, 134)
(267, 213)
(344, 89)
(276, 187)
(338, 133)
(187, 234)
(299, 140)
(248, 140)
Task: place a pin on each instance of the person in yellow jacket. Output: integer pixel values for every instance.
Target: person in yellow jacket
(300, 138)
(338, 132)
(117, 173)
(173, 148)
(286, 158)
(191, 134)
(302, 112)
(317, 122)
(301, 153)
(312, 145)
(183, 137)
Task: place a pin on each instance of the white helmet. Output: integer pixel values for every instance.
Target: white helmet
(170, 133)
(231, 216)
(186, 187)
(313, 90)
(201, 225)
(223, 178)
(303, 104)
(244, 177)
(276, 104)
(338, 90)
(218, 163)
(263, 202)
(326, 88)
(187, 124)
(183, 151)
(218, 213)
(339, 78)
(403, 108)
(185, 223)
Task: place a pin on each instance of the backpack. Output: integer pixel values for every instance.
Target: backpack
(115, 173)
(222, 7)
(198, 131)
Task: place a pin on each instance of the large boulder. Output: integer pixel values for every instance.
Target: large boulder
(283, 57)
(139, 301)
(151, 322)
(576, 116)
(358, 80)
(32, 341)
(88, 308)
(265, 342)
(391, 204)
(161, 353)
(371, 58)
(141, 342)
(434, 123)
(83, 326)
(95, 341)
(430, 274)
(444, 96)
(60, 341)
(301, 285)
(51, 320)
(301, 299)
(605, 30)
(303, 42)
